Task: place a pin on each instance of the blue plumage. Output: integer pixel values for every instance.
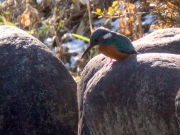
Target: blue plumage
(122, 43)
(104, 37)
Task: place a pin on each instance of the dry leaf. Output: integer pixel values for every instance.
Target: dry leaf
(83, 24)
(127, 32)
(30, 16)
(131, 19)
(122, 23)
(131, 7)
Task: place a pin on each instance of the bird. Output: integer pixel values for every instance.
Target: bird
(110, 43)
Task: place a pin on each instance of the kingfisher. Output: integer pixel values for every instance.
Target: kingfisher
(112, 44)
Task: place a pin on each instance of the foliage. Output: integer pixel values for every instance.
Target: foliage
(5, 18)
(81, 37)
(45, 28)
(168, 13)
(3, 21)
(129, 16)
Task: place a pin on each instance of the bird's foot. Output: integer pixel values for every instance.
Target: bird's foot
(112, 61)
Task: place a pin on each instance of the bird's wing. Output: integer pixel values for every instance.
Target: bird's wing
(122, 43)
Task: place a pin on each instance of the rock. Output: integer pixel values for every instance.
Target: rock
(135, 96)
(160, 41)
(37, 94)
(86, 76)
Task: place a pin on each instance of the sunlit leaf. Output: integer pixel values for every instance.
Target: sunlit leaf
(81, 37)
(115, 3)
(96, 13)
(107, 20)
(131, 6)
(76, 78)
(122, 23)
(127, 32)
(170, 4)
(11, 24)
(98, 10)
(110, 12)
(110, 9)
(116, 8)
(160, 27)
(131, 19)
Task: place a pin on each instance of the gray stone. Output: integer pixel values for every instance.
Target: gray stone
(160, 41)
(37, 94)
(91, 68)
(135, 96)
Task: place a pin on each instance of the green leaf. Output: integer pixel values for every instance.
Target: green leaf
(11, 24)
(45, 24)
(107, 20)
(46, 27)
(81, 37)
(31, 31)
(116, 8)
(92, 52)
(5, 22)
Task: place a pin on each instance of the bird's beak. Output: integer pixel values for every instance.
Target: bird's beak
(87, 50)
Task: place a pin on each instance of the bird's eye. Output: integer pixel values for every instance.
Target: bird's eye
(96, 40)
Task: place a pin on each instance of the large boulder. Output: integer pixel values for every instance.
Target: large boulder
(160, 41)
(133, 96)
(37, 94)
(91, 68)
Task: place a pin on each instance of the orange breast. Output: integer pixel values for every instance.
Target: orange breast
(112, 52)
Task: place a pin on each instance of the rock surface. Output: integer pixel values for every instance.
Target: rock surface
(160, 41)
(37, 94)
(91, 68)
(133, 97)
(136, 95)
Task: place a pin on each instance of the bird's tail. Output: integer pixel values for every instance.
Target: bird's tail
(135, 52)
